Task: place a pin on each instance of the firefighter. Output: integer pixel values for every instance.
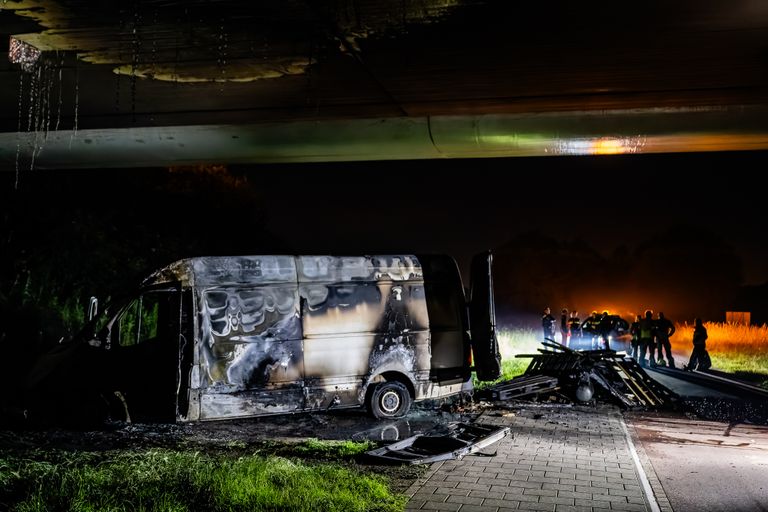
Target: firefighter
(604, 329)
(590, 326)
(647, 339)
(634, 346)
(565, 330)
(574, 326)
(699, 356)
(664, 330)
(548, 324)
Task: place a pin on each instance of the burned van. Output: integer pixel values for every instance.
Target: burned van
(212, 338)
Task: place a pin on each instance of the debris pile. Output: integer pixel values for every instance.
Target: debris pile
(524, 385)
(582, 374)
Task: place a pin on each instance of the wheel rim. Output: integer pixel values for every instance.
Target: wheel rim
(390, 401)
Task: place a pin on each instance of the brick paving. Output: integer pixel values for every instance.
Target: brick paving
(557, 458)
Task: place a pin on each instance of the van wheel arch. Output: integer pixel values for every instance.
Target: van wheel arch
(389, 395)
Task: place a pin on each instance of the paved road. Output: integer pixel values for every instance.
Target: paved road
(705, 465)
(565, 458)
(685, 388)
(558, 458)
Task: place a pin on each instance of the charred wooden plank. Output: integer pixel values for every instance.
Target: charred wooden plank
(524, 386)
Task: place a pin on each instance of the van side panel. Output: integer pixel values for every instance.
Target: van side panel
(250, 341)
(365, 320)
(252, 351)
(276, 334)
(355, 330)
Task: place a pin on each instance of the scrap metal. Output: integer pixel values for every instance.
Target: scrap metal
(462, 439)
(524, 385)
(618, 377)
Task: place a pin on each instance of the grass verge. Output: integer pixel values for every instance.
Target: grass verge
(178, 480)
(741, 350)
(737, 349)
(511, 343)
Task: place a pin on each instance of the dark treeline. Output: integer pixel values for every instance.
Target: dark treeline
(67, 236)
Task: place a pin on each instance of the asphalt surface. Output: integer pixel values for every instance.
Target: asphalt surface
(667, 462)
(685, 388)
(682, 461)
(702, 465)
(706, 465)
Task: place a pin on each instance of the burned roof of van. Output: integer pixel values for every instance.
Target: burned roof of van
(269, 269)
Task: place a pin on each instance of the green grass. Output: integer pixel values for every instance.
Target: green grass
(743, 366)
(313, 448)
(742, 363)
(172, 480)
(741, 350)
(511, 343)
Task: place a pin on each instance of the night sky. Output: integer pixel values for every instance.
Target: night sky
(465, 206)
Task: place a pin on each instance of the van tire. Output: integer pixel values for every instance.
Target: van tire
(390, 400)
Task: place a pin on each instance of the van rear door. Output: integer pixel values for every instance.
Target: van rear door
(482, 319)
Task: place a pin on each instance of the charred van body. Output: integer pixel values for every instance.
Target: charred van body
(227, 337)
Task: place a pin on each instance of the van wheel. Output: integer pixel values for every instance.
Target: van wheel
(390, 400)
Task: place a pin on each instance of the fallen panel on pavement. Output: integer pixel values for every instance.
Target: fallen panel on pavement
(460, 440)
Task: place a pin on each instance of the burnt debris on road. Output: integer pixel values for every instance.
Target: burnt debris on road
(587, 375)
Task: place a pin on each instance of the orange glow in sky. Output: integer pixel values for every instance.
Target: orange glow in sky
(608, 146)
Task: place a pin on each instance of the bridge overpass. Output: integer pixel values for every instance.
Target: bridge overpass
(157, 83)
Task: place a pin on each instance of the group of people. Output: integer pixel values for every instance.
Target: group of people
(598, 329)
(650, 336)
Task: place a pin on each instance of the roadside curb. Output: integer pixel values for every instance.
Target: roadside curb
(659, 495)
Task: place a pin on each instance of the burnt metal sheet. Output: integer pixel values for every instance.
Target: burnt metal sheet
(283, 333)
(223, 270)
(363, 308)
(620, 378)
(251, 403)
(461, 439)
(482, 312)
(523, 386)
(359, 355)
(250, 336)
(367, 268)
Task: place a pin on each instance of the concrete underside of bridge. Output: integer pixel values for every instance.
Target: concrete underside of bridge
(550, 134)
(149, 83)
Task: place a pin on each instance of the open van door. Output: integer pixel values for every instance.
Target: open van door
(482, 319)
